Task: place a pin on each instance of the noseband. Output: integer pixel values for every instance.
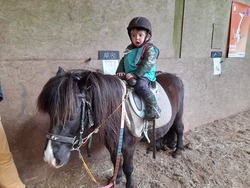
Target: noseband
(78, 140)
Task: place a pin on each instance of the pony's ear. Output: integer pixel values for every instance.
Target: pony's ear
(60, 71)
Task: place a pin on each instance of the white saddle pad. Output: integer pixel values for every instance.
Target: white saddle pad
(137, 125)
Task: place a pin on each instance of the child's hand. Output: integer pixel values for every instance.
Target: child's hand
(128, 76)
(121, 74)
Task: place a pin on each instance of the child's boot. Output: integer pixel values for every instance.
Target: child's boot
(152, 110)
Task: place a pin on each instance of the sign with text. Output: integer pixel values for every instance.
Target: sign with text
(108, 55)
(110, 61)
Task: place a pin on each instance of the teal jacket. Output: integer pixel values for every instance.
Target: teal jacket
(138, 64)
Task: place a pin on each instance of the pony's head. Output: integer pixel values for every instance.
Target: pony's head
(75, 101)
(63, 98)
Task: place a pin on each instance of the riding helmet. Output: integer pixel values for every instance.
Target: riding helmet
(140, 23)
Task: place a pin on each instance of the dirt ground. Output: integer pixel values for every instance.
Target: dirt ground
(216, 155)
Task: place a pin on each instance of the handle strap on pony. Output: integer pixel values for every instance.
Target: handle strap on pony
(119, 150)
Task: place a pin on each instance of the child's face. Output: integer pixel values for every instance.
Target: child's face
(138, 37)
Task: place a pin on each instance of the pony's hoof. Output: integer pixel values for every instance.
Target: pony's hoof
(118, 181)
(164, 147)
(149, 149)
(177, 154)
(171, 145)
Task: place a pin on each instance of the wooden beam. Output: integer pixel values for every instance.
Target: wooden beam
(178, 27)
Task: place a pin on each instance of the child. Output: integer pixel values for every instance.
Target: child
(139, 63)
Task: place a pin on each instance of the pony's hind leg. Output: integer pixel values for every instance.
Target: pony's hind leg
(169, 140)
(179, 129)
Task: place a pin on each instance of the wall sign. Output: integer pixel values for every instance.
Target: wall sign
(108, 55)
(217, 55)
(240, 16)
(110, 61)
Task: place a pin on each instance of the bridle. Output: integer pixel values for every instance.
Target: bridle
(78, 140)
(87, 119)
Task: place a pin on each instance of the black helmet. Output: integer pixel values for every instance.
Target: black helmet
(140, 23)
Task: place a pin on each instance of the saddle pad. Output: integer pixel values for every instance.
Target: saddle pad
(137, 124)
(137, 103)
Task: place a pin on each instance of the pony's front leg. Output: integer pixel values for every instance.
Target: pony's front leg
(119, 173)
(128, 166)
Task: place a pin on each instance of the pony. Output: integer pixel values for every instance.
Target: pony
(78, 100)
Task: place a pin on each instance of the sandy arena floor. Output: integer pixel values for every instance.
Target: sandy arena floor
(217, 155)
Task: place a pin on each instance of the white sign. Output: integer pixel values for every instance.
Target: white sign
(110, 66)
(217, 66)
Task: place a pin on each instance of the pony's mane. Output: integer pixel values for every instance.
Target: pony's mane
(59, 96)
(106, 93)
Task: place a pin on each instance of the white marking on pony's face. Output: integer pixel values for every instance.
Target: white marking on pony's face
(48, 155)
